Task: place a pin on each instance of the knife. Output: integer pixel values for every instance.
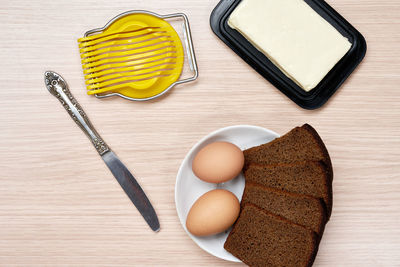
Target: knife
(59, 88)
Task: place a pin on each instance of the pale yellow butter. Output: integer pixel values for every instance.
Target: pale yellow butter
(293, 36)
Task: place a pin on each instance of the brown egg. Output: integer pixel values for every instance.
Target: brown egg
(218, 162)
(212, 213)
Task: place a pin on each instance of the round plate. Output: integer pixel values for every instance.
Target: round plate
(189, 188)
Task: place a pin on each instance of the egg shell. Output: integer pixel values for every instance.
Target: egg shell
(212, 213)
(218, 162)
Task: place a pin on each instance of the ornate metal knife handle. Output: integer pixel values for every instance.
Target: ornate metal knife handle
(59, 88)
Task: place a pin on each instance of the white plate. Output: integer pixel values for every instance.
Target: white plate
(189, 188)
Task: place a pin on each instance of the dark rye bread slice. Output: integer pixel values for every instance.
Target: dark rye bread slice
(308, 178)
(301, 209)
(300, 144)
(259, 238)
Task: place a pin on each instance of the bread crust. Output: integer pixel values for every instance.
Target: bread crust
(318, 138)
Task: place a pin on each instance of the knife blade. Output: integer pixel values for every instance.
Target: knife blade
(58, 87)
(132, 189)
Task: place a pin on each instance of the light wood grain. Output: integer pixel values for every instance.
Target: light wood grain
(60, 206)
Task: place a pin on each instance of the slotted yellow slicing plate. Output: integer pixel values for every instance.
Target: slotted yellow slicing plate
(136, 55)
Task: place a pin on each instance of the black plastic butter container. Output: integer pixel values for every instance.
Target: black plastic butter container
(331, 82)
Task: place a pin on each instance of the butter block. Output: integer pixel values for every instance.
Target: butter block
(301, 43)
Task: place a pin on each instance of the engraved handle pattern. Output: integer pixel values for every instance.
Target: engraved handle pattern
(59, 88)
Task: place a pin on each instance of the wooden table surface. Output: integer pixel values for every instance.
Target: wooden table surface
(60, 205)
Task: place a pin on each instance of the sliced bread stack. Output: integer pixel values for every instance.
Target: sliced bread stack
(286, 202)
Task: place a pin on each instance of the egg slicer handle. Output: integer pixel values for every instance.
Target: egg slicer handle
(58, 87)
(189, 47)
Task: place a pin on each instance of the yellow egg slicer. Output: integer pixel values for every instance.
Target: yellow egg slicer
(137, 55)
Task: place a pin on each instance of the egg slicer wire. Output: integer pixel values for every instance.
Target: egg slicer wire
(137, 55)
